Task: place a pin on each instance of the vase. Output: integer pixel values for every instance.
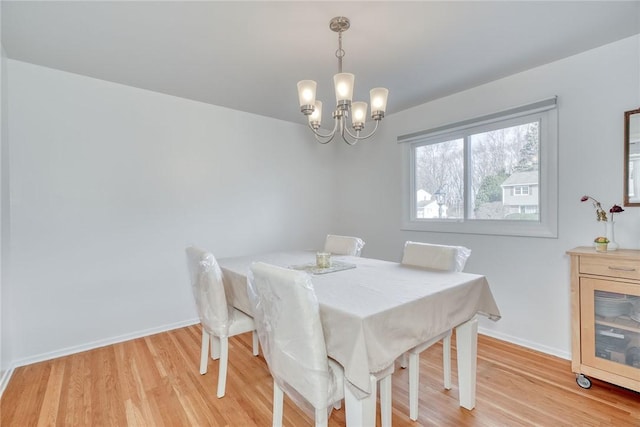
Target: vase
(323, 259)
(601, 247)
(610, 233)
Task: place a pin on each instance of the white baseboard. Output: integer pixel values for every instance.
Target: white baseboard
(6, 375)
(101, 343)
(4, 379)
(524, 343)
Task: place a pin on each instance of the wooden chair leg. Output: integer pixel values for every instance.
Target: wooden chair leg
(278, 403)
(222, 371)
(204, 352)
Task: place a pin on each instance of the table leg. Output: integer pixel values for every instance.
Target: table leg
(360, 412)
(467, 343)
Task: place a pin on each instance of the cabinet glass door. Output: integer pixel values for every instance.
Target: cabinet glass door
(611, 326)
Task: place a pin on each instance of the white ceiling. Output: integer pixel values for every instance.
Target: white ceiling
(249, 55)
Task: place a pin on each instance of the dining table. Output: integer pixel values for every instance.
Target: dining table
(373, 311)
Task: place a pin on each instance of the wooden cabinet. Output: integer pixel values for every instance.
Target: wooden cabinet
(605, 305)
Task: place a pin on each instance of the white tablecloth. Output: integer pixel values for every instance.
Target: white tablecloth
(375, 312)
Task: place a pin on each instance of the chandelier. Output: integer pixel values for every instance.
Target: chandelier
(343, 83)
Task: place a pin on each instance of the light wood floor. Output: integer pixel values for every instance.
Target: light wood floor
(154, 381)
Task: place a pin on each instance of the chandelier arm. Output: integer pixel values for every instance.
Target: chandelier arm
(358, 138)
(345, 139)
(344, 128)
(319, 135)
(325, 141)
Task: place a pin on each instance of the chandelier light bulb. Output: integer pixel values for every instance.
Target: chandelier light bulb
(343, 83)
(358, 115)
(307, 95)
(379, 97)
(315, 118)
(317, 112)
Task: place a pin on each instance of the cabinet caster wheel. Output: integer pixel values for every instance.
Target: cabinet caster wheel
(583, 381)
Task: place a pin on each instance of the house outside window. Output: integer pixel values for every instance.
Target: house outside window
(520, 195)
(492, 175)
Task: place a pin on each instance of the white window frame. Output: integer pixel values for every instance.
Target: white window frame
(546, 226)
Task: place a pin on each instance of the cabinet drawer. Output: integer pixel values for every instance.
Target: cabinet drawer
(611, 267)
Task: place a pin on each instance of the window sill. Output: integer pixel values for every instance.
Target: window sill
(499, 228)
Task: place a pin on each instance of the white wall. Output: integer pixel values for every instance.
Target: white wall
(5, 349)
(529, 276)
(110, 183)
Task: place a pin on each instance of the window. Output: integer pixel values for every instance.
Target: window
(491, 175)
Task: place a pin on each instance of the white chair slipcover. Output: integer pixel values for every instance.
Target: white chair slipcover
(343, 245)
(287, 318)
(436, 257)
(218, 319)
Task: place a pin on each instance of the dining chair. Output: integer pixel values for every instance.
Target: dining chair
(288, 322)
(218, 318)
(343, 245)
(290, 330)
(434, 257)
